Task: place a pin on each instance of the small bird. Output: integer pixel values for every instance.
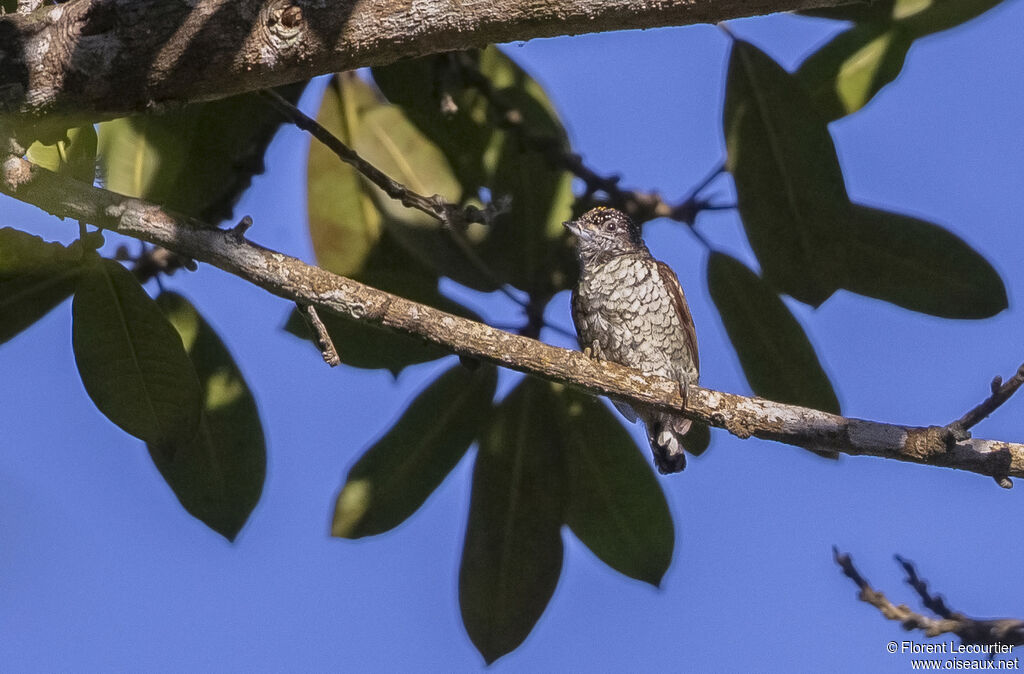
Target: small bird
(629, 308)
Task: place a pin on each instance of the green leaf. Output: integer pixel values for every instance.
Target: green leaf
(789, 185)
(24, 253)
(348, 215)
(464, 136)
(616, 506)
(218, 474)
(131, 359)
(74, 156)
(27, 298)
(526, 245)
(777, 358)
(847, 72)
(397, 474)
(197, 159)
(697, 440)
(513, 550)
(35, 276)
(344, 223)
(920, 266)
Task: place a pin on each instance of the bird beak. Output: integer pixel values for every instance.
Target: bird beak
(574, 227)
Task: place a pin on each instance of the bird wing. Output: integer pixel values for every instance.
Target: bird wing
(675, 291)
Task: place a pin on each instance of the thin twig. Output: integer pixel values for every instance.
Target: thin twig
(997, 636)
(323, 337)
(641, 206)
(1001, 392)
(934, 603)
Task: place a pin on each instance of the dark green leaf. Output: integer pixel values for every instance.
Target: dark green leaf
(197, 159)
(397, 474)
(922, 16)
(35, 276)
(696, 442)
(777, 358)
(464, 135)
(513, 551)
(74, 156)
(524, 245)
(348, 215)
(24, 253)
(616, 506)
(218, 474)
(789, 185)
(847, 72)
(131, 359)
(26, 298)
(920, 266)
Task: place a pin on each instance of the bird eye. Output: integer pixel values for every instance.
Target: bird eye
(610, 225)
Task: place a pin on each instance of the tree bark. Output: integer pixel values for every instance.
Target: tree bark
(299, 282)
(95, 59)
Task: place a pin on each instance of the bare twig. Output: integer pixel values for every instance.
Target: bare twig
(996, 636)
(641, 206)
(299, 282)
(1001, 392)
(323, 337)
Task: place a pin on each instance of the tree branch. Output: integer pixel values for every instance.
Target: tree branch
(299, 282)
(1000, 634)
(96, 59)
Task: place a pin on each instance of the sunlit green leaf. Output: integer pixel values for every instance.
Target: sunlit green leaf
(919, 265)
(218, 474)
(197, 159)
(131, 359)
(789, 186)
(74, 156)
(463, 135)
(397, 474)
(344, 223)
(616, 506)
(386, 139)
(777, 358)
(847, 72)
(513, 550)
(348, 214)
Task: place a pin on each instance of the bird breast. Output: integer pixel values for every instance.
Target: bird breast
(624, 306)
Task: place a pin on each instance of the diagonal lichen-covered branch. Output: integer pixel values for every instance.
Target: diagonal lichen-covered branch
(308, 285)
(96, 59)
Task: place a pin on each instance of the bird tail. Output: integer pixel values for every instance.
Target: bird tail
(665, 433)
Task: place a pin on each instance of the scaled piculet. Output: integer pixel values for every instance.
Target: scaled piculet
(629, 308)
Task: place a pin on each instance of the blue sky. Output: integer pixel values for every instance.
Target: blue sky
(101, 569)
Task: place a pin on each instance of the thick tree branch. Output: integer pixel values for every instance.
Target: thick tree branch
(299, 282)
(96, 59)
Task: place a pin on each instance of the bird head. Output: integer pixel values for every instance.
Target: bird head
(603, 233)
